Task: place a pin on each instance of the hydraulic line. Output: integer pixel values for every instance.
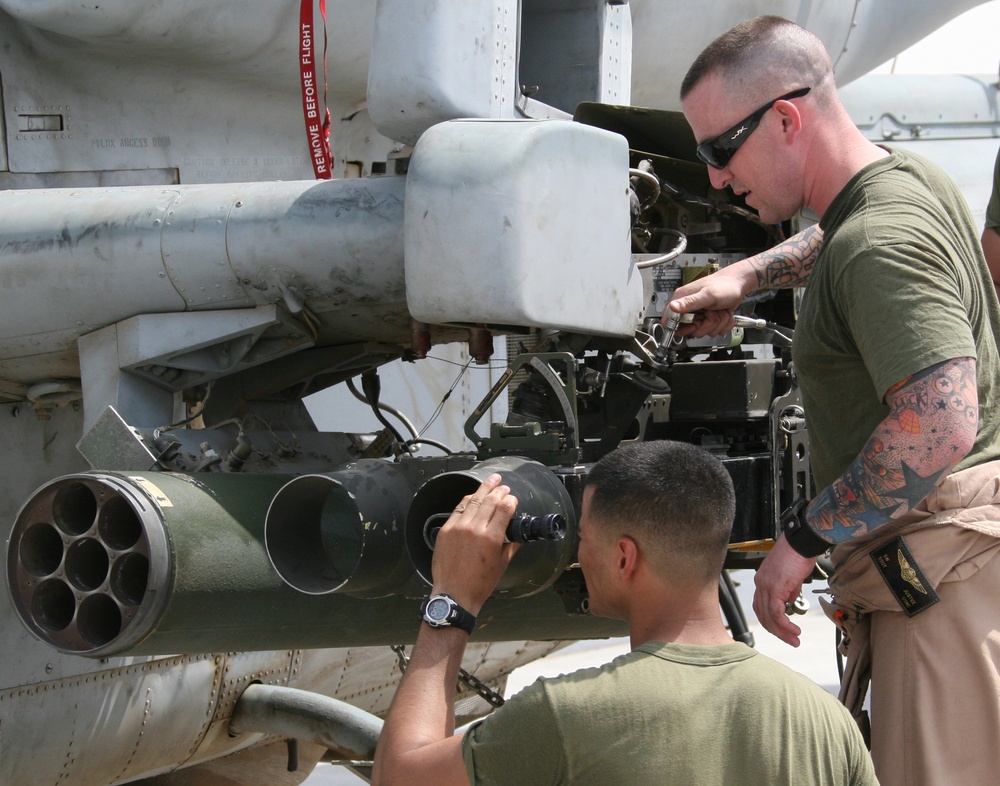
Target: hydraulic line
(303, 715)
(732, 610)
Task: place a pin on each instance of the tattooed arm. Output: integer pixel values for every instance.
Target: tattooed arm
(715, 297)
(932, 423)
(931, 426)
(788, 264)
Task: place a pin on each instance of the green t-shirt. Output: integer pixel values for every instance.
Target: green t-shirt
(671, 714)
(900, 284)
(993, 208)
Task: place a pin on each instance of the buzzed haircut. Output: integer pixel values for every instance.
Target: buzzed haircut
(763, 55)
(676, 500)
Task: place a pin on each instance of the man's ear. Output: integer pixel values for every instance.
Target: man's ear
(791, 119)
(628, 556)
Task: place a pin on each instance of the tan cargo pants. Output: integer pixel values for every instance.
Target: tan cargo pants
(935, 677)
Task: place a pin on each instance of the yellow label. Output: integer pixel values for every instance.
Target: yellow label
(153, 490)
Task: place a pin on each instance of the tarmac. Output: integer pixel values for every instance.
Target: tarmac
(816, 658)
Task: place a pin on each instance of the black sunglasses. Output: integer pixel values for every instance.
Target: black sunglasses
(717, 152)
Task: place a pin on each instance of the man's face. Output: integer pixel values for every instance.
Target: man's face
(756, 169)
(596, 557)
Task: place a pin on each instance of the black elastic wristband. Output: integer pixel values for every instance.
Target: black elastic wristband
(803, 540)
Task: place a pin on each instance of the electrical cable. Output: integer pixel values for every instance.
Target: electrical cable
(384, 408)
(372, 387)
(426, 441)
(438, 409)
(651, 179)
(194, 416)
(672, 254)
(732, 610)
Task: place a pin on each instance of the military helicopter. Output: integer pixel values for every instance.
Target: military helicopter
(214, 215)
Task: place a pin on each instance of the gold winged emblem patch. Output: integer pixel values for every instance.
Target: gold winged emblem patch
(907, 582)
(908, 573)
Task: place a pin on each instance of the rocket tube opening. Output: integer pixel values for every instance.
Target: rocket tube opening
(313, 534)
(343, 544)
(130, 578)
(53, 605)
(431, 508)
(541, 497)
(98, 620)
(41, 550)
(74, 508)
(341, 532)
(118, 524)
(86, 564)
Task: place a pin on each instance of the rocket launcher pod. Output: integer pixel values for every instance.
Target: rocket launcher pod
(155, 563)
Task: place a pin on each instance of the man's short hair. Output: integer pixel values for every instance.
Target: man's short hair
(674, 499)
(762, 55)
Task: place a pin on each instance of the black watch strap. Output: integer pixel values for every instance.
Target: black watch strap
(802, 538)
(456, 616)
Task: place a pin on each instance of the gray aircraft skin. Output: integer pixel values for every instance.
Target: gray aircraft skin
(213, 549)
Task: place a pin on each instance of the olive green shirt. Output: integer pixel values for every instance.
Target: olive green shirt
(993, 208)
(900, 285)
(671, 714)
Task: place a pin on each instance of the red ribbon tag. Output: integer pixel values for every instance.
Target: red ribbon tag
(317, 118)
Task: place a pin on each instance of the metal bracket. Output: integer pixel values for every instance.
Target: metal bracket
(790, 447)
(180, 350)
(530, 438)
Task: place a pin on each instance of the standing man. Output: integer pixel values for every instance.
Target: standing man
(896, 353)
(991, 234)
(688, 705)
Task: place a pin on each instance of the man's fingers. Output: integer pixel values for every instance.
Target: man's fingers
(696, 301)
(471, 501)
(501, 516)
(715, 323)
(491, 505)
(786, 630)
(771, 614)
(505, 508)
(709, 320)
(484, 490)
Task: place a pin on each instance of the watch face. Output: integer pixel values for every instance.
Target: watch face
(438, 609)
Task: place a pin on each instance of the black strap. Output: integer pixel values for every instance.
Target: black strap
(803, 539)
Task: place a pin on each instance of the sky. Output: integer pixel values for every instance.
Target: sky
(969, 44)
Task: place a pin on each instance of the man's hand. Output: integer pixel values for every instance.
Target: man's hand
(779, 581)
(712, 299)
(715, 297)
(470, 554)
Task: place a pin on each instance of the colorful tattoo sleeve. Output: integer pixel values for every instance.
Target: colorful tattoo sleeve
(932, 423)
